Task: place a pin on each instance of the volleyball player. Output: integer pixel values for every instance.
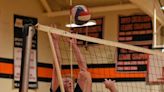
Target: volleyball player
(84, 80)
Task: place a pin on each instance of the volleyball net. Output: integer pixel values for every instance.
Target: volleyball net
(135, 69)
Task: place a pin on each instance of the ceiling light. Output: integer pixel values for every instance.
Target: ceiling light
(89, 23)
(162, 8)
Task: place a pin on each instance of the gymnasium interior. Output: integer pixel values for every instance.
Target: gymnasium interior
(128, 48)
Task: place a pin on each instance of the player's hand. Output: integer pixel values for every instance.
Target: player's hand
(109, 84)
(55, 37)
(73, 41)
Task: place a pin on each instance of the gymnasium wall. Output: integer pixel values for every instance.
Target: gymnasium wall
(32, 8)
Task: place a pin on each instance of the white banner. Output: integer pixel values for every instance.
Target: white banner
(17, 65)
(19, 21)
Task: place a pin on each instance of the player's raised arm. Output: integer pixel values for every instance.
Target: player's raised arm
(56, 46)
(79, 57)
(84, 80)
(55, 83)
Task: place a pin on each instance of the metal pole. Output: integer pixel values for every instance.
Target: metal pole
(28, 33)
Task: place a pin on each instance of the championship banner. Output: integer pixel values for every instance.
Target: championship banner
(135, 30)
(19, 22)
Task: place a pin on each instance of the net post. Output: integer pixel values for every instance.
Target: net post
(28, 33)
(55, 63)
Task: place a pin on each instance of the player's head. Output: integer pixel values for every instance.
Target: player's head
(68, 83)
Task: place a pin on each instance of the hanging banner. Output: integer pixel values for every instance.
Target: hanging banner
(19, 21)
(134, 30)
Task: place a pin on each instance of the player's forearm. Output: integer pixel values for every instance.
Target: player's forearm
(58, 54)
(85, 81)
(112, 89)
(80, 59)
(88, 86)
(57, 50)
(54, 82)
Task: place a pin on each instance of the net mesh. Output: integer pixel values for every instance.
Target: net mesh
(99, 59)
(133, 68)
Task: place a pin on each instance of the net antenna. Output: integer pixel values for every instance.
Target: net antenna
(71, 21)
